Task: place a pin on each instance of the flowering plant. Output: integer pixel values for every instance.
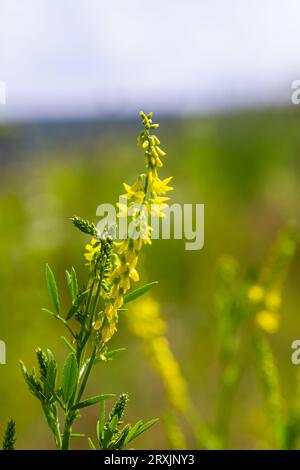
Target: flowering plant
(92, 318)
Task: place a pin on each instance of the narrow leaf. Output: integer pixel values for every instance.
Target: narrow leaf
(101, 421)
(109, 432)
(54, 315)
(74, 285)
(91, 444)
(139, 292)
(68, 344)
(110, 355)
(69, 377)
(52, 288)
(139, 428)
(92, 401)
(68, 276)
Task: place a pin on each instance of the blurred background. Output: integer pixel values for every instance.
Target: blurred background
(217, 76)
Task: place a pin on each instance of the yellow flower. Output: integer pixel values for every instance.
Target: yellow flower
(134, 191)
(123, 210)
(92, 248)
(255, 294)
(134, 275)
(147, 323)
(268, 321)
(161, 186)
(273, 300)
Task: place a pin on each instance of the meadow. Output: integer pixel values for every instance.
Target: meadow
(245, 168)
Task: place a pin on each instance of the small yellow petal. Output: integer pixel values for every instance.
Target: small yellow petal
(134, 275)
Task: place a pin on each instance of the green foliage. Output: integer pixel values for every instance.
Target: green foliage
(85, 226)
(9, 438)
(90, 322)
(139, 292)
(69, 377)
(52, 288)
(111, 434)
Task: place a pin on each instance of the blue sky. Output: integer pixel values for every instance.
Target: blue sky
(85, 58)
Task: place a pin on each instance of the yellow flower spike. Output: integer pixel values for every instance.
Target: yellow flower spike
(256, 294)
(273, 300)
(268, 321)
(146, 322)
(147, 189)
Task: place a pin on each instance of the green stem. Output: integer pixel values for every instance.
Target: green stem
(86, 375)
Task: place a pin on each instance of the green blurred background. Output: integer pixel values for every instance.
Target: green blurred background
(244, 166)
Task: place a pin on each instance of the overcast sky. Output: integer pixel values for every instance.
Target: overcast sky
(84, 58)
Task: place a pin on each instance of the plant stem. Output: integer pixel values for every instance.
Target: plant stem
(86, 375)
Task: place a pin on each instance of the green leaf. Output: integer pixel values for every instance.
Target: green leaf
(52, 288)
(132, 432)
(91, 444)
(68, 344)
(54, 315)
(110, 355)
(109, 431)
(138, 429)
(68, 276)
(139, 292)
(74, 285)
(92, 401)
(78, 302)
(101, 421)
(69, 377)
(51, 375)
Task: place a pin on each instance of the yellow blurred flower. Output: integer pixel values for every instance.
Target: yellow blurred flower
(146, 322)
(268, 321)
(273, 300)
(256, 294)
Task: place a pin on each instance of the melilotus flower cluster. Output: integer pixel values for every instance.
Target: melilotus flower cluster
(266, 294)
(147, 193)
(92, 319)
